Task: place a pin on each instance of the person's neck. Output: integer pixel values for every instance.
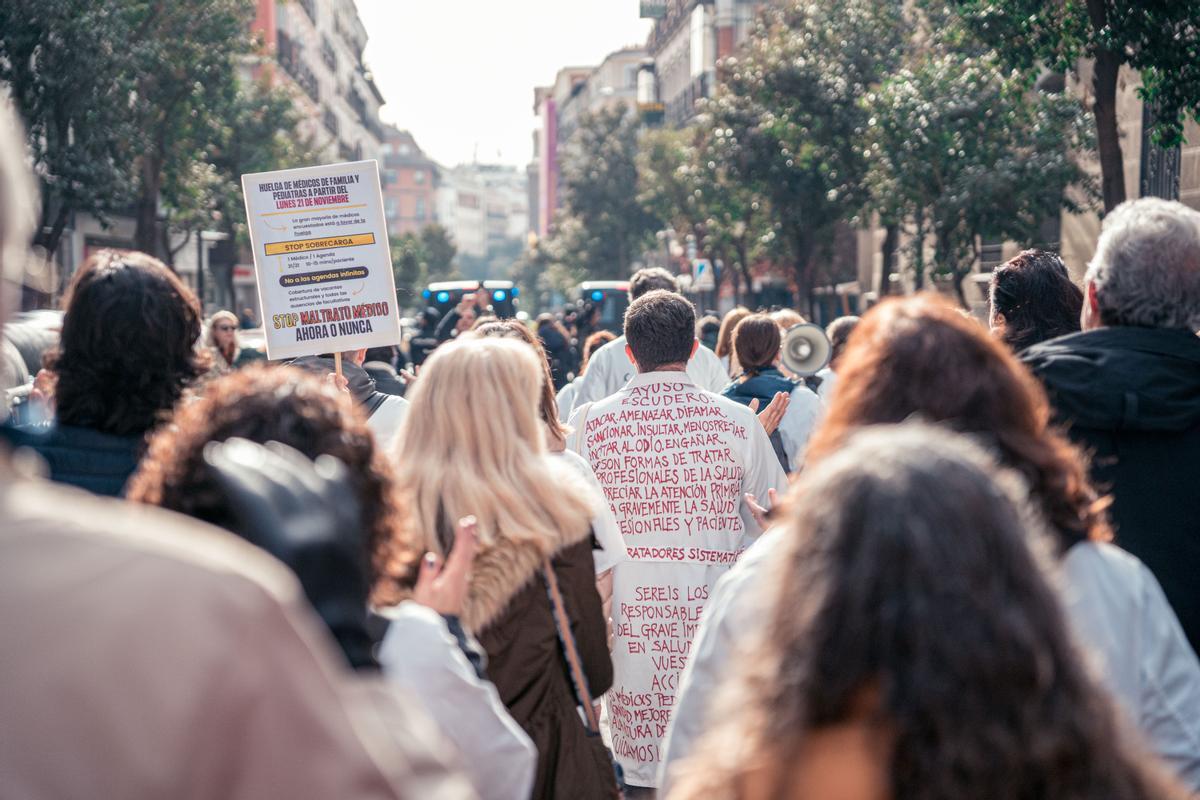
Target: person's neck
(678, 367)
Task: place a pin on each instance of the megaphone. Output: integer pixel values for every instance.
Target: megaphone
(805, 350)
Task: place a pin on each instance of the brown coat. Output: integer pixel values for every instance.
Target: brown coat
(147, 656)
(509, 610)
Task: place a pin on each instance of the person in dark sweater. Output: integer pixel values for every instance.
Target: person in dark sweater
(126, 354)
(1128, 389)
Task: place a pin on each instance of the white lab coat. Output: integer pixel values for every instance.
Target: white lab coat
(386, 420)
(798, 423)
(604, 525)
(1113, 604)
(421, 655)
(609, 369)
(674, 461)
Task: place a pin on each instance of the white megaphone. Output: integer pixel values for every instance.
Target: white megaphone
(805, 350)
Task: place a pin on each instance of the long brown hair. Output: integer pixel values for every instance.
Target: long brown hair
(725, 335)
(908, 600)
(920, 357)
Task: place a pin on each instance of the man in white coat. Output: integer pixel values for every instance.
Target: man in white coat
(610, 368)
(675, 461)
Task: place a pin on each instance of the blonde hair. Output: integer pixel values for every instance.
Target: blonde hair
(473, 444)
(548, 403)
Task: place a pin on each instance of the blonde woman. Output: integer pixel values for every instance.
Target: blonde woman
(474, 445)
(222, 341)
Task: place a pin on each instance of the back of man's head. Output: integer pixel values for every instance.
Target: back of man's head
(651, 279)
(18, 204)
(1146, 271)
(660, 329)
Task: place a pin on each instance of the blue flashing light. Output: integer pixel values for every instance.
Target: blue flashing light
(597, 295)
(516, 292)
(499, 295)
(443, 297)
(426, 294)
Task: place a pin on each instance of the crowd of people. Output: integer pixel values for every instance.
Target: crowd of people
(960, 558)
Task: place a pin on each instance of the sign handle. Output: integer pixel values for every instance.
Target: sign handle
(337, 363)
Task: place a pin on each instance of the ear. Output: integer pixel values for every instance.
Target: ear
(997, 322)
(629, 355)
(1089, 315)
(360, 355)
(695, 347)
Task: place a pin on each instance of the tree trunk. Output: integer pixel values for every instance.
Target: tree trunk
(957, 276)
(919, 276)
(891, 243)
(1104, 109)
(50, 238)
(749, 297)
(145, 237)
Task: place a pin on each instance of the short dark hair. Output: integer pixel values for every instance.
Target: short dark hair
(756, 342)
(128, 344)
(1035, 294)
(650, 279)
(660, 328)
(839, 332)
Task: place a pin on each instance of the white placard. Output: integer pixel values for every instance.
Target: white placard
(321, 259)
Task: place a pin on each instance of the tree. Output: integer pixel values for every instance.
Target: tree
(1159, 38)
(684, 180)
(408, 269)
(71, 84)
(600, 192)
(187, 88)
(964, 152)
(440, 250)
(788, 122)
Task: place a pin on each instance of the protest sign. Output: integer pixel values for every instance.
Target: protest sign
(321, 259)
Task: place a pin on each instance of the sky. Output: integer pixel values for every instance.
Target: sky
(460, 74)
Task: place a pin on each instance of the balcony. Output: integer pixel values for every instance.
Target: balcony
(291, 58)
(310, 8)
(331, 122)
(682, 107)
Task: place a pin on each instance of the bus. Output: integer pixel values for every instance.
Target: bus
(611, 298)
(500, 296)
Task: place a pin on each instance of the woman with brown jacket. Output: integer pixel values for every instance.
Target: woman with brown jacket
(473, 444)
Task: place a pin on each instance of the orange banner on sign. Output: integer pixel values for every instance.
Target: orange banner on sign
(324, 243)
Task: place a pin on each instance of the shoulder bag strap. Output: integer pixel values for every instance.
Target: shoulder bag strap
(565, 638)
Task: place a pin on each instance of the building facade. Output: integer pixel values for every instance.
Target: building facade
(485, 208)
(410, 183)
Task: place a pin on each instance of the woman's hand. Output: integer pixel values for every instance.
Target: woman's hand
(772, 415)
(444, 587)
(761, 515)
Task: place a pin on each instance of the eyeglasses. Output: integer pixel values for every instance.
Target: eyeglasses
(226, 328)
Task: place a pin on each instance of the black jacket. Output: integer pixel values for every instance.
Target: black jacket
(1131, 398)
(98, 462)
(361, 385)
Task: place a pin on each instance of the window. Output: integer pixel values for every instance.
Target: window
(389, 177)
(420, 214)
(310, 8)
(389, 208)
(331, 122)
(419, 177)
(328, 55)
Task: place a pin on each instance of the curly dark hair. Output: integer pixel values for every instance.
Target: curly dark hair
(919, 356)
(272, 403)
(909, 599)
(1034, 293)
(128, 344)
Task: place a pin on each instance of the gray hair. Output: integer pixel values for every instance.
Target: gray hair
(18, 204)
(1147, 266)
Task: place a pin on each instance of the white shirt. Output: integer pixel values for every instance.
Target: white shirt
(386, 420)
(828, 381)
(604, 525)
(421, 655)
(609, 369)
(674, 461)
(798, 423)
(566, 399)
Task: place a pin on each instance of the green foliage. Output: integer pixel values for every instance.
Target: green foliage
(1159, 38)
(418, 259)
(605, 228)
(787, 121)
(962, 150)
(71, 76)
(686, 180)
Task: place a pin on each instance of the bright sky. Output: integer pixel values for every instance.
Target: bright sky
(460, 74)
